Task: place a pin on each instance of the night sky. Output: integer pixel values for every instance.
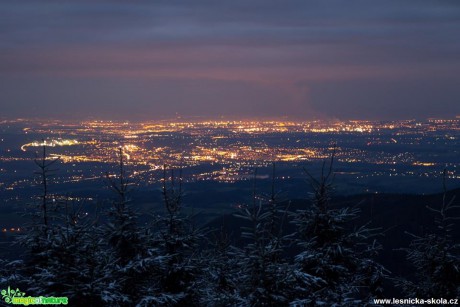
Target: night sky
(244, 59)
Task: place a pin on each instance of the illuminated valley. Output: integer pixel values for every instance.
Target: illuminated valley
(229, 151)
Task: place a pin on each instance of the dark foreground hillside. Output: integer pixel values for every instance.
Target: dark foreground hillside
(396, 216)
(326, 250)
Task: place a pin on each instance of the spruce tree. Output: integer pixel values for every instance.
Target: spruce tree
(38, 235)
(265, 274)
(335, 265)
(220, 281)
(65, 255)
(435, 256)
(123, 238)
(174, 264)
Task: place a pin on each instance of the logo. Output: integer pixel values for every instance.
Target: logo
(17, 297)
(8, 295)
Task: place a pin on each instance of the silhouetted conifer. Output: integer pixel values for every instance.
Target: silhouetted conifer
(37, 239)
(65, 252)
(123, 238)
(435, 256)
(175, 264)
(335, 266)
(220, 283)
(265, 276)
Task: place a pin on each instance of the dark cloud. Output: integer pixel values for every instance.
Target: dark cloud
(235, 58)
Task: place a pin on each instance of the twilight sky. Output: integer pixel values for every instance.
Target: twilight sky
(350, 59)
